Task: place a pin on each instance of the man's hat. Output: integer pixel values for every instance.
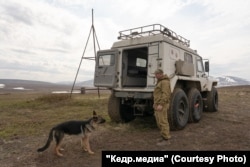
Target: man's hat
(158, 71)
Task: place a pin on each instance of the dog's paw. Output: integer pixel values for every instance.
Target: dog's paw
(59, 154)
(84, 148)
(91, 152)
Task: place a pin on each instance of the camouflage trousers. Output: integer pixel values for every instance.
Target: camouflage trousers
(162, 121)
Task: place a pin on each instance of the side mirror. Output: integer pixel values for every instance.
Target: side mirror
(207, 66)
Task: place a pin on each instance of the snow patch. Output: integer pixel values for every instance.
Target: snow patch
(21, 88)
(228, 79)
(63, 92)
(231, 81)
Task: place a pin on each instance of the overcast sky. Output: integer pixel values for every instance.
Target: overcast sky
(44, 39)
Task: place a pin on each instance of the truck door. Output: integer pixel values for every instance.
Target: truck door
(155, 60)
(201, 72)
(200, 69)
(106, 68)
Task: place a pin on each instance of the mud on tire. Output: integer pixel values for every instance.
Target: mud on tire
(195, 105)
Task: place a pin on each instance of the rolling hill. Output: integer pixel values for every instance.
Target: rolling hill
(29, 85)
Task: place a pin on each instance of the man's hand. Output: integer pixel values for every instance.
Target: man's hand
(159, 107)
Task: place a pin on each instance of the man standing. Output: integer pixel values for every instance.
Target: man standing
(162, 95)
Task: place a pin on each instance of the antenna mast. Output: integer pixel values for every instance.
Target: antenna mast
(92, 30)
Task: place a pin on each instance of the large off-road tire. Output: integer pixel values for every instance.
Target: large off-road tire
(114, 108)
(211, 103)
(179, 110)
(195, 105)
(118, 112)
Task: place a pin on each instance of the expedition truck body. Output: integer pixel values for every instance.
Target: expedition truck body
(127, 69)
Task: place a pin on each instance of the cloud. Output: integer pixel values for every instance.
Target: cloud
(37, 38)
(220, 31)
(45, 38)
(16, 13)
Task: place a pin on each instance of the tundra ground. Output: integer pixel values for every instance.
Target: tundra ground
(25, 121)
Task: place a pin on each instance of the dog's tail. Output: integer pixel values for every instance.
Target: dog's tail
(48, 141)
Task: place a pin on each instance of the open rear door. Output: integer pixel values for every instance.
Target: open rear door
(106, 68)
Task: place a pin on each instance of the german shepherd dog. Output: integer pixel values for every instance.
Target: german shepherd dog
(83, 128)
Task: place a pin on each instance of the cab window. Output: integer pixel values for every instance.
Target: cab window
(200, 65)
(141, 62)
(188, 57)
(106, 60)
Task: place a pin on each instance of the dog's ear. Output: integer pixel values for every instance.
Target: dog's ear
(94, 113)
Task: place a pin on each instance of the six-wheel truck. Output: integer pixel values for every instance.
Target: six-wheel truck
(127, 69)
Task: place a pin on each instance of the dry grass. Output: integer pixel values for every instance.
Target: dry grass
(25, 120)
(30, 114)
